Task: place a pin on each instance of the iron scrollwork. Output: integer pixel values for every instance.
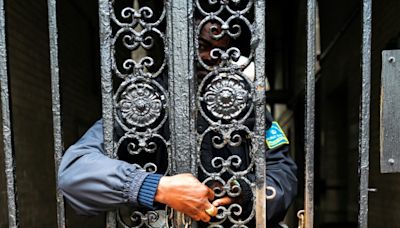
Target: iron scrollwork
(141, 98)
(225, 97)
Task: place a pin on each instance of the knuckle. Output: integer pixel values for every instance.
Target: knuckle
(204, 203)
(204, 191)
(192, 212)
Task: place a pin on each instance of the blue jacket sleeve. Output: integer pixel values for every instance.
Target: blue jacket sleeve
(281, 174)
(91, 182)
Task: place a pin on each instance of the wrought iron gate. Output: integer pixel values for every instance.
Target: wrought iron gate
(162, 104)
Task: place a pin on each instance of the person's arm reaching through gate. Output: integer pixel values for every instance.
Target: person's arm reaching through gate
(91, 182)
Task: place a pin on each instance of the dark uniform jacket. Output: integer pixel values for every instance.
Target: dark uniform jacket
(91, 182)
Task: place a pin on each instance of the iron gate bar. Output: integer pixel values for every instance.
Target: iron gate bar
(259, 61)
(310, 114)
(363, 166)
(7, 128)
(181, 80)
(222, 122)
(56, 107)
(107, 88)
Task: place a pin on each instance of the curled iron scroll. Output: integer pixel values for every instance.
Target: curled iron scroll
(141, 97)
(225, 102)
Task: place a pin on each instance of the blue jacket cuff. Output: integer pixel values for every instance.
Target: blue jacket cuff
(148, 190)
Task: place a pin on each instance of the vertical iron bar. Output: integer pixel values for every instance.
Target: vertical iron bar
(363, 168)
(259, 61)
(181, 80)
(192, 85)
(107, 88)
(181, 75)
(310, 114)
(56, 107)
(7, 128)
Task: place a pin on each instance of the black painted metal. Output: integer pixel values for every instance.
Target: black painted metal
(139, 106)
(181, 76)
(390, 112)
(259, 131)
(7, 127)
(160, 104)
(107, 88)
(310, 114)
(365, 113)
(56, 106)
(226, 98)
(143, 101)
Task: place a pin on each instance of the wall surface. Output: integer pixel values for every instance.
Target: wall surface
(30, 81)
(337, 114)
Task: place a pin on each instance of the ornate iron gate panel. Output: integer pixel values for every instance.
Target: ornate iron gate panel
(150, 101)
(170, 104)
(181, 111)
(226, 100)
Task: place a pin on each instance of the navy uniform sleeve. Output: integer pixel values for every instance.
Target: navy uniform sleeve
(91, 182)
(281, 174)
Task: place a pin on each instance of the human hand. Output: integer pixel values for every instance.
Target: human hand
(186, 194)
(227, 200)
(224, 201)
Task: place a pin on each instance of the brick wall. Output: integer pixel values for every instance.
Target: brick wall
(31, 110)
(28, 46)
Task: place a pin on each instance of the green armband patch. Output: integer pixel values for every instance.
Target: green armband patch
(275, 136)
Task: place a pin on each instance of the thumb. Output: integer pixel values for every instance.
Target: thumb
(222, 201)
(211, 210)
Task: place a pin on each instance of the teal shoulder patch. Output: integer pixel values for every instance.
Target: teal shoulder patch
(275, 136)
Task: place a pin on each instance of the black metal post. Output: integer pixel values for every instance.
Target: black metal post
(56, 106)
(107, 89)
(259, 61)
(363, 166)
(7, 128)
(310, 114)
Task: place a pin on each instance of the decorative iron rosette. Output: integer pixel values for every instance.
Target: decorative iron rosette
(226, 96)
(140, 104)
